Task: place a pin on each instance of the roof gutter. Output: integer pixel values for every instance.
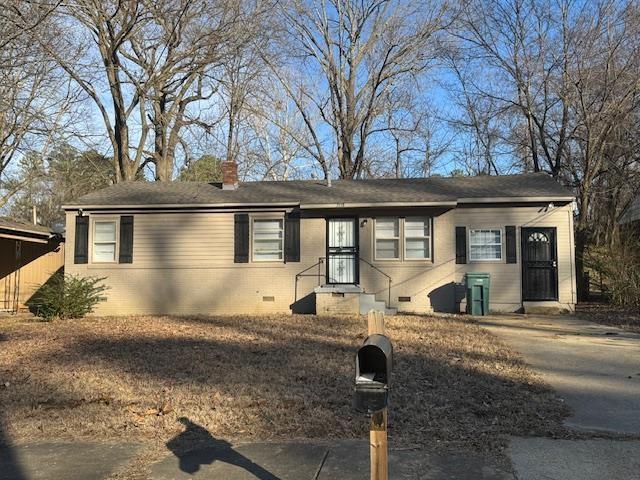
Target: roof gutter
(318, 206)
(160, 206)
(313, 206)
(515, 199)
(17, 230)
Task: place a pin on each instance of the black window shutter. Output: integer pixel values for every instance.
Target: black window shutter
(510, 234)
(126, 239)
(241, 238)
(292, 238)
(81, 244)
(461, 245)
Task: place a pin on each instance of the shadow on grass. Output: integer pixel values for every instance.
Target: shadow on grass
(210, 450)
(265, 378)
(10, 468)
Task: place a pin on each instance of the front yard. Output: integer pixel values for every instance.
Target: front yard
(262, 378)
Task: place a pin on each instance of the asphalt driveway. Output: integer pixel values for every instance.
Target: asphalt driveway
(594, 368)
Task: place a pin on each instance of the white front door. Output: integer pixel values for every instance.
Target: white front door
(342, 250)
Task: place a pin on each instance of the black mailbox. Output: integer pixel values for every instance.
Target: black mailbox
(373, 374)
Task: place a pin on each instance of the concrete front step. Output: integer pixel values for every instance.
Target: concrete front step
(347, 300)
(368, 302)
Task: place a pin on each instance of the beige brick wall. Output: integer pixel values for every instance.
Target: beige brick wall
(183, 264)
(331, 303)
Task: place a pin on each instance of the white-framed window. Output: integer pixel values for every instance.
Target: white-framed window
(104, 241)
(485, 244)
(267, 239)
(417, 238)
(387, 238)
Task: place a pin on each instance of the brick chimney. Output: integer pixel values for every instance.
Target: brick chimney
(229, 175)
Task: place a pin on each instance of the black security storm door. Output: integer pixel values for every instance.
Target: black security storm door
(539, 264)
(342, 250)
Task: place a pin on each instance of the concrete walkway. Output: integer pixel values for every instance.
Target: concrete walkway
(344, 460)
(598, 459)
(596, 370)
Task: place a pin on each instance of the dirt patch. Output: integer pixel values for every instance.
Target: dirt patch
(263, 378)
(607, 314)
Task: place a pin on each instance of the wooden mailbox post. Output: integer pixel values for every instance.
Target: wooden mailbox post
(378, 428)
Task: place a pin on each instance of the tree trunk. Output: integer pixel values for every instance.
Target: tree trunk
(581, 240)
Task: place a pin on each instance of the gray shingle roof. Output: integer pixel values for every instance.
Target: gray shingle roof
(315, 192)
(7, 223)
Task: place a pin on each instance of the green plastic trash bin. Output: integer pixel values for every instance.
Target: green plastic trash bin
(478, 293)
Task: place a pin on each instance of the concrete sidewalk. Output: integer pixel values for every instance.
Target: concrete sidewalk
(62, 460)
(344, 460)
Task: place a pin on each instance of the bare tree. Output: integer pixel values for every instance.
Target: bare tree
(19, 17)
(527, 46)
(34, 101)
(274, 150)
(413, 142)
(93, 58)
(355, 52)
(567, 73)
(183, 53)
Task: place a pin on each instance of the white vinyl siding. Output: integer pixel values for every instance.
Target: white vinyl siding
(387, 239)
(417, 238)
(104, 241)
(485, 245)
(268, 235)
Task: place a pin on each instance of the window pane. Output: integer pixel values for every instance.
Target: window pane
(416, 227)
(417, 248)
(386, 248)
(267, 239)
(262, 235)
(387, 227)
(485, 244)
(267, 245)
(104, 252)
(269, 225)
(267, 256)
(485, 252)
(104, 232)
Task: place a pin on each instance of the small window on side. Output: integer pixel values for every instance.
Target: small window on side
(104, 241)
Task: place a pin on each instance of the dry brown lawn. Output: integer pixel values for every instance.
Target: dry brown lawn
(262, 378)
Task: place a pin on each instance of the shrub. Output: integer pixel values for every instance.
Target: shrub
(619, 266)
(67, 296)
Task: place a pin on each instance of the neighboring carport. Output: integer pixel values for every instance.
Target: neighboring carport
(29, 255)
